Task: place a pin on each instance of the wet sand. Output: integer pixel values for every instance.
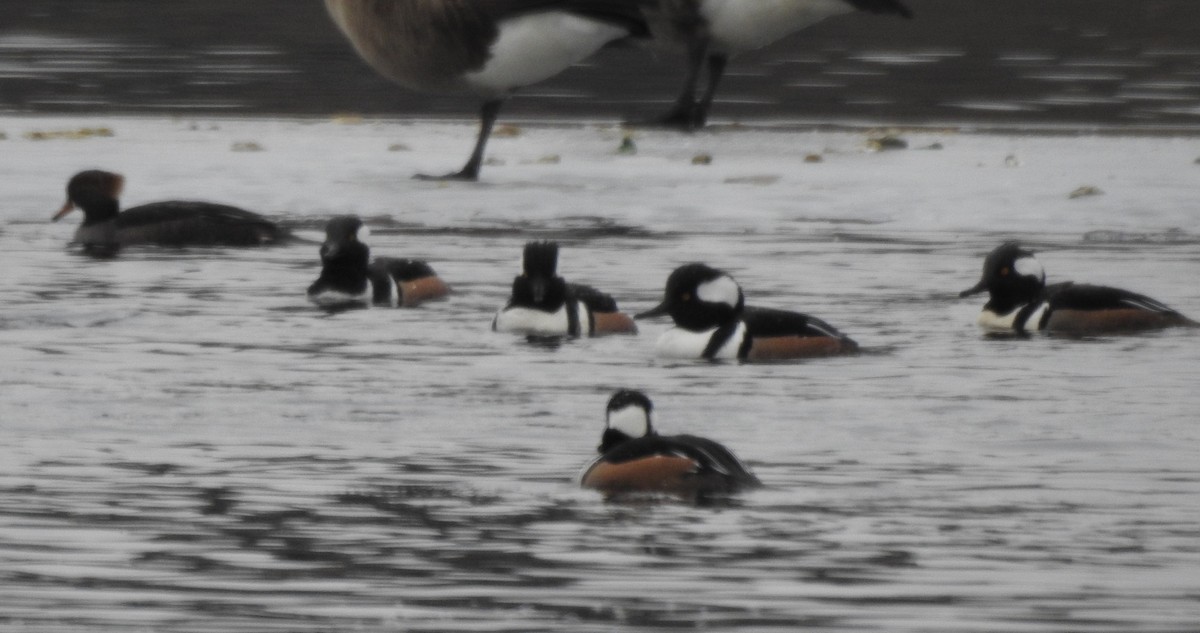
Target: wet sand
(1020, 62)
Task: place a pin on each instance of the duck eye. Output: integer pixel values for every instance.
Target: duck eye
(1004, 271)
(687, 296)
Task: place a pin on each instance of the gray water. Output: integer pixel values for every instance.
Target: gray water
(189, 446)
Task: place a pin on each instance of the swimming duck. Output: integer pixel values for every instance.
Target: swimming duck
(636, 459)
(488, 48)
(544, 304)
(712, 322)
(712, 31)
(106, 228)
(1020, 301)
(349, 278)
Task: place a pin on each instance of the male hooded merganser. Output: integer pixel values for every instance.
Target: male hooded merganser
(712, 322)
(714, 30)
(349, 277)
(486, 47)
(1020, 301)
(106, 228)
(635, 459)
(544, 304)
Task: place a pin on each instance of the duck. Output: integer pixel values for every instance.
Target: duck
(106, 229)
(1019, 301)
(713, 31)
(635, 459)
(349, 278)
(544, 304)
(487, 48)
(712, 322)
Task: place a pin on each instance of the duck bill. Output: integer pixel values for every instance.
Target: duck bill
(979, 287)
(67, 208)
(661, 310)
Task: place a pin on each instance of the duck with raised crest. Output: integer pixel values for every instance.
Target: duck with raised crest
(636, 459)
(488, 48)
(544, 304)
(712, 322)
(349, 278)
(1019, 301)
(106, 229)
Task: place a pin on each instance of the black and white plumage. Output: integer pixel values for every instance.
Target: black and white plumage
(713, 322)
(713, 31)
(544, 304)
(350, 278)
(1019, 301)
(488, 48)
(635, 459)
(106, 228)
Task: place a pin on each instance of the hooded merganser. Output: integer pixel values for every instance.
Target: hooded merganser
(349, 278)
(636, 459)
(544, 304)
(1020, 301)
(712, 322)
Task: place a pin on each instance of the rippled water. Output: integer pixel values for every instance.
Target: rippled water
(188, 446)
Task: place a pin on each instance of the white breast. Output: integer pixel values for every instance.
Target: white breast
(993, 322)
(742, 25)
(335, 298)
(680, 343)
(538, 46)
(529, 321)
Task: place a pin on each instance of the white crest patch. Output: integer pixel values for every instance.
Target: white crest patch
(363, 233)
(1029, 267)
(631, 420)
(723, 289)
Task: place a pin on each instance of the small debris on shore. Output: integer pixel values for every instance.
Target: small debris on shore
(886, 142)
(702, 159)
(247, 146)
(1086, 191)
(71, 135)
(628, 147)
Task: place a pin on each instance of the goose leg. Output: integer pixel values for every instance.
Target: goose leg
(716, 70)
(470, 171)
(683, 113)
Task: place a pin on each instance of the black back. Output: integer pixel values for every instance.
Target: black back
(711, 457)
(769, 322)
(402, 269)
(1072, 296)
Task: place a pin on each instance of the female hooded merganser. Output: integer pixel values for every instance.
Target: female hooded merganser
(712, 322)
(544, 304)
(486, 47)
(1020, 301)
(714, 30)
(106, 228)
(635, 459)
(349, 278)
